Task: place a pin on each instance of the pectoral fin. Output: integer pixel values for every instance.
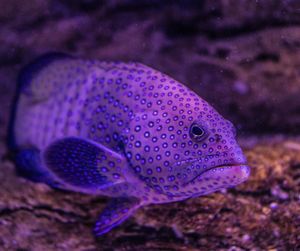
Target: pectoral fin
(117, 211)
(84, 164)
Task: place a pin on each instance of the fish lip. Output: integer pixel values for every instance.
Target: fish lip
(226, 165)
(233, 164)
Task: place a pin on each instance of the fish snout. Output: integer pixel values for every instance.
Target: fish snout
(234, 174)
(231, 171)
(236, 170)
(242, 172)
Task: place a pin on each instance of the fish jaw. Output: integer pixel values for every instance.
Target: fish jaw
(219, 177)
(232, 174)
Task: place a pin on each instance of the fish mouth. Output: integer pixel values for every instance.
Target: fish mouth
(239, 171)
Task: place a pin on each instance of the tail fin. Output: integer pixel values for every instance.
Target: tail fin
(32, 69)
(25, 76)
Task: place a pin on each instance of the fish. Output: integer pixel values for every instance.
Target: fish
(122, 130)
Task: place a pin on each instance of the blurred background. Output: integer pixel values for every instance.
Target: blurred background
(243, 57)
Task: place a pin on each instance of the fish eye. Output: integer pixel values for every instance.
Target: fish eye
(197, 132)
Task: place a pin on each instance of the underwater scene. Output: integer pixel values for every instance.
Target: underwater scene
(150, 125)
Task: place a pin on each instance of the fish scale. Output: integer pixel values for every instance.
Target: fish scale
(122, 130)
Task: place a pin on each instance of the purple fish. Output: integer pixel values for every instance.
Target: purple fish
(122, 130)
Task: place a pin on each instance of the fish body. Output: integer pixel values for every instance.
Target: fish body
(122, 130)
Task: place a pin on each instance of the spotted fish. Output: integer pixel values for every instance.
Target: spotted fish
(122, 130)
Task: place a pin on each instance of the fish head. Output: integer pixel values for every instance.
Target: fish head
(185, 149)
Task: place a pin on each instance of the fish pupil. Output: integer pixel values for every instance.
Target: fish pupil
(197, 131)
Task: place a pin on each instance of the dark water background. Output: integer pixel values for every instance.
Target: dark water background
(243, 57)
